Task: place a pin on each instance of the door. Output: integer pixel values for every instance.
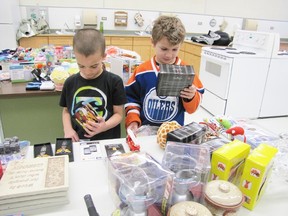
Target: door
(215, 73)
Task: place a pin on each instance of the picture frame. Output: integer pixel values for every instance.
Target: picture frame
(64, 146)
(43, 150)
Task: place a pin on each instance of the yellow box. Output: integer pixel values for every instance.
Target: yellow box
(228, 161)
(257, 170)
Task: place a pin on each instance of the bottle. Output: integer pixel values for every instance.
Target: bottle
(102, 27)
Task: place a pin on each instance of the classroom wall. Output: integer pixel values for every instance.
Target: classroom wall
(258, 9)
(195, 14)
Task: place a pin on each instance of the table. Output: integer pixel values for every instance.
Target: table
(90, 177)
(31, 115)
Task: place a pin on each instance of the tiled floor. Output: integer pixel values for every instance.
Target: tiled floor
(277, 125)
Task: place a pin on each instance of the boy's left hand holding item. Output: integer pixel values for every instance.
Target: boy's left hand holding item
(92, 128)
(188, 93)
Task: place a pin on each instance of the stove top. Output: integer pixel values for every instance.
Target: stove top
(250, 44)
(230, 52)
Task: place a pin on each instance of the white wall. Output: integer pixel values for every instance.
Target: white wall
(258, 9)
(195, 14)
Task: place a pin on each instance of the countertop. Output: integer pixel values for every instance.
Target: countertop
(9, 89)
(90, 177)
(53, 32)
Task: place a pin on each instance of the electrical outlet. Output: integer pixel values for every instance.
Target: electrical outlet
(103, 18)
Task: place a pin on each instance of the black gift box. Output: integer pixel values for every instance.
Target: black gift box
(190, 133)
(174, 78)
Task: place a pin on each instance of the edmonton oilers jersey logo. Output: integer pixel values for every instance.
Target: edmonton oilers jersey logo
(160, 109)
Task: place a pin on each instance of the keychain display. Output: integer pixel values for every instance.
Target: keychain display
(139, 19)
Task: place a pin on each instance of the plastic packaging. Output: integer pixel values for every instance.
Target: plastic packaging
(191, 165)
(136, 182)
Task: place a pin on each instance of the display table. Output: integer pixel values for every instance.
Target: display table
(31, 115)
(90, 177)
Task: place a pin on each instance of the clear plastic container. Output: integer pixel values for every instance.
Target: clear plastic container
(136, 182)
(191, 165)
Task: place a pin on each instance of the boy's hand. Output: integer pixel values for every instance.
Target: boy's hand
(188, 93)
(133, 126)
(71, 134)
(92, 128)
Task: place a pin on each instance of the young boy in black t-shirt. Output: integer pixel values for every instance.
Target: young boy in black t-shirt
(94, 88)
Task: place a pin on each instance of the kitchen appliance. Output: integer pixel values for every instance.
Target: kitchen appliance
(9, 23)
(274, 102)
(234, 77)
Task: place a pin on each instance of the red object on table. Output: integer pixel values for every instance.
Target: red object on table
(1, 170)
(132, 141)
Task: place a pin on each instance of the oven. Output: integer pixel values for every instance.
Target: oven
(215, 71)
(234, 77)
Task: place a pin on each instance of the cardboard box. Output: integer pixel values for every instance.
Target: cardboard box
(257, 170)
(174, 78)
(228, 161)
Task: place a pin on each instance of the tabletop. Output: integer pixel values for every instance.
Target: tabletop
(90, 177)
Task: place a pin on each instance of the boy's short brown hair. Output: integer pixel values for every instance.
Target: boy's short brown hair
(170, 27)
(88, 41)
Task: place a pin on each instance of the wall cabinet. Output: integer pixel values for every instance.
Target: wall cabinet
(143, 46)
(122, 42)
(192, 55)
(34, 42)
(61, 41)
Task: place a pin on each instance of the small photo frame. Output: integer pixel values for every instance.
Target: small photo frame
(64, 146)
(43, 150)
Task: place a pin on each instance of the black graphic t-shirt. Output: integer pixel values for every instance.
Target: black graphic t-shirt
(99, 95)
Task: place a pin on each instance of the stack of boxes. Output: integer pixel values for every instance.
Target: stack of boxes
(233, 162)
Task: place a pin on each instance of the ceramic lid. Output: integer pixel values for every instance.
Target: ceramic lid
(189, 208)
(224, 193)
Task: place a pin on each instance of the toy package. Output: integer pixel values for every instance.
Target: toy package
(137, 183)
(191, 133)
(12, 149)
(241, 129)
(191, 165)
(172, 79)
(228, 161)
(214, 144)
(257, 170)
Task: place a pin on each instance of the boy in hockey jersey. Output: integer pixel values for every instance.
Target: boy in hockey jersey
(92, 92)
(144, 107)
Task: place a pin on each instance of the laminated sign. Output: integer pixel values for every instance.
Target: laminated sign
(174, 78)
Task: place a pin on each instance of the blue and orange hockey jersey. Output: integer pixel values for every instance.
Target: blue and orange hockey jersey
(146, 108)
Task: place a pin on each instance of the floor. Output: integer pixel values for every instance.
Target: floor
(278, 126)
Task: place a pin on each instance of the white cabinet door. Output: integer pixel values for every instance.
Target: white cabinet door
(6, 11)
(8, 37)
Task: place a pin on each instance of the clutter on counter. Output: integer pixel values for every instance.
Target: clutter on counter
(193, 167)
(57, 63)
